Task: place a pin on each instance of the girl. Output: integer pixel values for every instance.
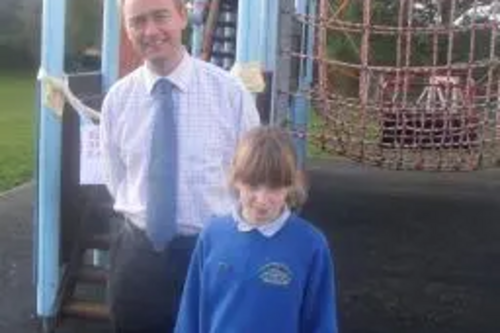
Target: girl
(261, 269)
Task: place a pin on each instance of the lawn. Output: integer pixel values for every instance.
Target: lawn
(17, 107)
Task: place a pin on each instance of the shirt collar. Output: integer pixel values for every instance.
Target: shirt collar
(179, 77)
(268, 229)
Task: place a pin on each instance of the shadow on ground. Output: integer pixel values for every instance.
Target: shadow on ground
(415, 252)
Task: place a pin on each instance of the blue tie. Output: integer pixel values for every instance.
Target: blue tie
(162, 178)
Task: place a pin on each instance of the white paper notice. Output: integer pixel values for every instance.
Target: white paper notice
(90, 157)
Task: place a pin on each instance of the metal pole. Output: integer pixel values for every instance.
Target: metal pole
(270, 50)
(301, 104)
(365, 78)
(110, 43)
(197, 27)
(49, 157)
(312, 10)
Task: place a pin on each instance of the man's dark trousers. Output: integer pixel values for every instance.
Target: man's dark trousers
(145, 286)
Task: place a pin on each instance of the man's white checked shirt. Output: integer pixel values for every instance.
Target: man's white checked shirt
(213, 111)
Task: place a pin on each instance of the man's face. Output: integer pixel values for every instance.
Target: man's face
(155, 28)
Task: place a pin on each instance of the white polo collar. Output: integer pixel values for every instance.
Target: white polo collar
(267, 229)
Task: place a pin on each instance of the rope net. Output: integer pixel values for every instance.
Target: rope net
(406, 84)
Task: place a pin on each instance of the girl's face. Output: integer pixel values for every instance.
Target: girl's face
(261, 204)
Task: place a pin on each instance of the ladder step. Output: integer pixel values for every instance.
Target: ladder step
(226, 25)
(92, 274)
(220, 39)
(220, 54)
(98, 242)
(85, 310)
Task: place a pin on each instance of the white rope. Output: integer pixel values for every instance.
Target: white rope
(62, 86)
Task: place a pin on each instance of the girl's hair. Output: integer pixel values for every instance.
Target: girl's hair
(265, 156)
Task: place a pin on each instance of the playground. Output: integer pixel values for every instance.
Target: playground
(401, 102)
(415, 252)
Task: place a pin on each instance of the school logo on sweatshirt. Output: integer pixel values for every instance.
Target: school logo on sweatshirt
(275, 273)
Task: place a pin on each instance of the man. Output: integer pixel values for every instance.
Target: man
(168, 130)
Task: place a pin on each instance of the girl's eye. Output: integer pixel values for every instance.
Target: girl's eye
(257, 188)
(251, 189)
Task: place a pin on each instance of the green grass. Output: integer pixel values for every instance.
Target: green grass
(17, 103)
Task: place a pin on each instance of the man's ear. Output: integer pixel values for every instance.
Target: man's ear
(184, 15)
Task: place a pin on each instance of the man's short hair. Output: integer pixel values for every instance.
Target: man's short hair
(179, 3)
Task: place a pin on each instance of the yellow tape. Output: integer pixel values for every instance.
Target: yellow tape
(53, 97)
(251, 75)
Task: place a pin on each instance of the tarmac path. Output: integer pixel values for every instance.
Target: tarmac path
(414, 252)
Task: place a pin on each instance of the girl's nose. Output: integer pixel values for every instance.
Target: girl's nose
(261, 196)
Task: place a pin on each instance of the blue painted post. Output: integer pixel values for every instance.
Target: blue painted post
(269, 14)
(248, 35)
(49, 157)
(110, 72)
(264, 21)
(300, 109)
(110, 43)
(301, 105)
(36, 174)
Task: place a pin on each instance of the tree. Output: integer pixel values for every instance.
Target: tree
(11, 23)
(83, 26)
(15, 46)
(384, 48)
(31, 17)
